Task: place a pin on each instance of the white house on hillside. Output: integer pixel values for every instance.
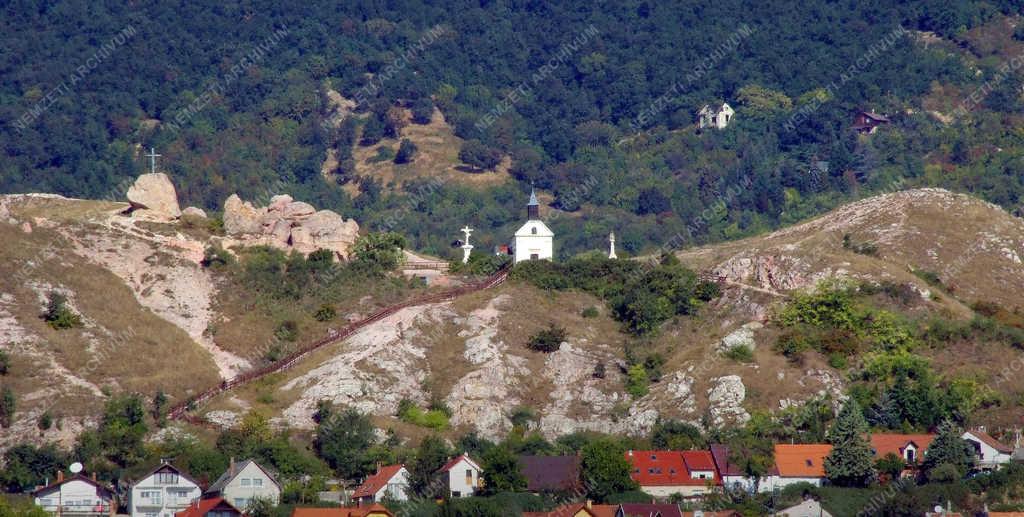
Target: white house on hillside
(990, 452)
(717, 118)
(162, 492)
(391, 481)
(797, 463)
(243, 482)
(463, 476)
(534, 240)
(76, 496)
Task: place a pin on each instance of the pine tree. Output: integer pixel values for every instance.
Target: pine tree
(850, 463)
(948, 448)
(7, 405)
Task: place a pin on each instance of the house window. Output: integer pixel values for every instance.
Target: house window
(534, 256)
(245, 482)
(257, 482)
(809, 463)
(911, 457)
(533, 230)
(241, 502)
(456, 493)
(166, 478)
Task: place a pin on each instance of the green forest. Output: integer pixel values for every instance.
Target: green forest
(595, 103)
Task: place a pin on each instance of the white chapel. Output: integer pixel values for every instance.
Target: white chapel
(534, 240)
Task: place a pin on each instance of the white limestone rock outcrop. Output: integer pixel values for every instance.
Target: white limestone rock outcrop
(725, 401)
(290, 225)
(194, 212)
(153, 195)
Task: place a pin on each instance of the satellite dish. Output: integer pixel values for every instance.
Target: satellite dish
(75, 467)
(938, 508)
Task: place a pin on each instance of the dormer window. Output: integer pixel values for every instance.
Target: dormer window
(533, 230)
(809, 463)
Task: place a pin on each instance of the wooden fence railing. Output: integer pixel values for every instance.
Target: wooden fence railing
(180, 410)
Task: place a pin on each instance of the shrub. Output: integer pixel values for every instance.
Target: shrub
(547, 340)
(862, 248)
(479, 155)
(837, 361)
(740, 354)
(422, 110)
(5, 362)
(384, 154)
(406, 151)
(216, 257)
(58, 315)
(411, 413)
(599, 370)
(326, 312)
(636, 381)
(287, 330)
(930, 277)
(590, 312)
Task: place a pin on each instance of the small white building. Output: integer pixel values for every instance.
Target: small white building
(990, 453)
(808, 508)
(534, 240)
(76, 496)
(462, 475)
(243, 482)
(391, 481)
(717, 118)
(162, 492)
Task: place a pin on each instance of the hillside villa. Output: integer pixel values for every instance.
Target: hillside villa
(76, 496)
(390, 481)
(162, 492)
(664, 473)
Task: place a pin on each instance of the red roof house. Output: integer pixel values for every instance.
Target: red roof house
(663, 473)
(390, 481)
(217, 505)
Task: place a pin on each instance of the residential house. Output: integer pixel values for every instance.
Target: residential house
(162, 492)
(243, 482)
(552, 473)
(462, 475)
(911, 448)
(212, 507)
(866, 122)
(808, 508)
(648, 510)
(76, 496)
(664, 473)
(374, 510)
(717, 118)
(798, 463)
(991, 453)
(390, 481)
(587, 509)
(730, 474)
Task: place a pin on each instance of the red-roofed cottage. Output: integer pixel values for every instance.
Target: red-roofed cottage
(213, 507)
(732, 476)
(462, 475)
(663, 473)
(798, 463)
(391, 481)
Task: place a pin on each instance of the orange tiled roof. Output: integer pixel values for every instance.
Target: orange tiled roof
(571, 510)
(374, 483)
(801, 460)
(884, 443)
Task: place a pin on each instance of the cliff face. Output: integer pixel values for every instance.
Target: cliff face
(147, 307)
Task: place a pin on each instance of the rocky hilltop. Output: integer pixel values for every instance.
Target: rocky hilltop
(470, 352)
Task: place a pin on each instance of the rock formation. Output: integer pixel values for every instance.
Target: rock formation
(290, 225)
(194, 212)
(153, 195)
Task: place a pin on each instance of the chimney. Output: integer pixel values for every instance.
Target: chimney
(94, 476)
(231, 467)
(378, 467)
(590, 504)
(60, 476)
(630, 453)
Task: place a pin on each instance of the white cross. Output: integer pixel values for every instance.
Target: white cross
(152, 159)
(467, 230)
